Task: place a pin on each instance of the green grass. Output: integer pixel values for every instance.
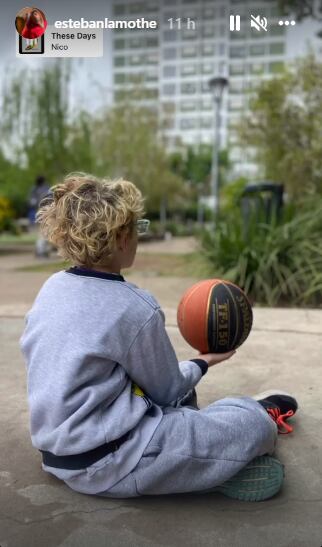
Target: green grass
(158, 264)
(50, 267)
(22, 239)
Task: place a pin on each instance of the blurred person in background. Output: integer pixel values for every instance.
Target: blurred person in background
(39, 191)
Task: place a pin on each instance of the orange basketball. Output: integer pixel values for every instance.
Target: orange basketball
(214, 316)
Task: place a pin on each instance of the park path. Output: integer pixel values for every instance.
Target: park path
(18, 289)
(283, 351)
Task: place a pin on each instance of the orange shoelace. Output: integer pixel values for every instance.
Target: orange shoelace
(278, 418)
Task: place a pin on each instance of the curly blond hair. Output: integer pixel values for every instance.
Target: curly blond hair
(84, 215)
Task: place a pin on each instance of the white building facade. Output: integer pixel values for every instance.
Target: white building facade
(192, 43)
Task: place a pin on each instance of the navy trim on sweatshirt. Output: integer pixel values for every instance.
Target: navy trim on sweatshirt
(202, 364)
(87, 272)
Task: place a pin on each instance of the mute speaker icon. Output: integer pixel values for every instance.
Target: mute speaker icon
(259, 23)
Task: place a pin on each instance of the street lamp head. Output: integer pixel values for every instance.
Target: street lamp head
(217, 85)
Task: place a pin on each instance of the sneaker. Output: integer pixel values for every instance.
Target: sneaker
(280, 406)
(261, 479)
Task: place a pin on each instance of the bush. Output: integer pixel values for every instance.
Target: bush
(277, 263)
(176, 228)
(6, 215)
(232, 192)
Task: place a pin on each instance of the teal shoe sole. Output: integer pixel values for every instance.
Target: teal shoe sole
(261, 479)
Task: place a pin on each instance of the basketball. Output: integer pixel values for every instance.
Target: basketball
(214, 316)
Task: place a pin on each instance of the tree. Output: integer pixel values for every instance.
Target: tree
(35, 119)
(38, 133)
(284, 127)
(42, 137)
(302, 8)
(194, 166)
(128, 144)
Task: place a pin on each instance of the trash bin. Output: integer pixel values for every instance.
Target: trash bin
(262, 202)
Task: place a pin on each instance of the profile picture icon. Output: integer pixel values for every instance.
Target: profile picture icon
(31, 24)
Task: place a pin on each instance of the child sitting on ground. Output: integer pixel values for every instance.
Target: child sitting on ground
(112, 411)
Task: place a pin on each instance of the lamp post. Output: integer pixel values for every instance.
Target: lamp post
(217, 85)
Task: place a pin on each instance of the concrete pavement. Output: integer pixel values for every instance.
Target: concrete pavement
(283, 351)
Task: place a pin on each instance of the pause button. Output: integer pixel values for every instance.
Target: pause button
(234, 22)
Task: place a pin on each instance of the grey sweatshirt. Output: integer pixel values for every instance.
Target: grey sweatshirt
(99, 364)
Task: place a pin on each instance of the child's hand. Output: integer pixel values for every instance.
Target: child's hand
(215, 358)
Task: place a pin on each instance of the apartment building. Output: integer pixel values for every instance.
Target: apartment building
(192, 43)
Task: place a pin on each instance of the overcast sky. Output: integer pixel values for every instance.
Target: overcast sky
(91, 78)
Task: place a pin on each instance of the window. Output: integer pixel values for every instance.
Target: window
(135, 78)
(169, 53)
(119, 9)
(236, 70)
(209, 13)
(264, 11)
(168, 16)
(257, 68)
(152, 41)
(188, 34)
(208, 49)
(208, 31)
(238, 36)
(275, 11)
(276, 30)
(192, 13)
(208, 68)
(206, 123)
(152, 5)
(170, 35)
(151, 93)
(206, 105)
(119, 61)
(188, 123)
(258, 49)
(222, 49)
(188, 106)
(189, 51)
(237, 52)
(120, 95)
(168, 123)
(152, 58)
(168, 108)
(188, 88)
(276, 67)
(236, 87)
(236, 104)
(169, 89)
(188, 70)
(119, 78)
(170, 71)
(136, 42)
(138, 7)
(135, 60)
(277, 49)
(119, 44)
(151, 75)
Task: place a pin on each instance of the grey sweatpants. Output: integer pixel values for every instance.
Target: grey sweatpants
(196, 450)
